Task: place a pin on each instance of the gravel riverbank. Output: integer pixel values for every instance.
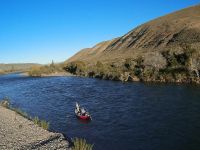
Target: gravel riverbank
(19, 133)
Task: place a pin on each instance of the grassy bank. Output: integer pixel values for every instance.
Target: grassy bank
(47, 70)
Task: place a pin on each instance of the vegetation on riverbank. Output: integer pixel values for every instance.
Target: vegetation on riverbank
(42, 123)
(5, 102)
(166, 66)
(46, 70)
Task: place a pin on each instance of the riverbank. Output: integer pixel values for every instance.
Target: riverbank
(17, 132)
(7, 72)
(55, 74)
(132, 70)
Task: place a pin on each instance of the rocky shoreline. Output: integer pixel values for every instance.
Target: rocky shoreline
(17, 132)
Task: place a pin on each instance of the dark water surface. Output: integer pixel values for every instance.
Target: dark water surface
(132, 116)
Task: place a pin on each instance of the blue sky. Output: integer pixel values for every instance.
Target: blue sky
(43, 30)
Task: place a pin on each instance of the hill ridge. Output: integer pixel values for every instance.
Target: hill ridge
(175, 34)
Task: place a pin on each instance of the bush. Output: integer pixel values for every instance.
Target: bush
(44, 124)
(81, 144)
(76, 67)
(139, 60)
(154, 60)
(46, 69)
(137, 71)
(36, 120)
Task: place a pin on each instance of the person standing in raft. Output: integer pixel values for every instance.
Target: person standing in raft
(78, 108)
(80, 111)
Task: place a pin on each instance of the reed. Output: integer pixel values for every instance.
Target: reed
(81, 144)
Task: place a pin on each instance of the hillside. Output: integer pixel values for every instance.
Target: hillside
(166, 49)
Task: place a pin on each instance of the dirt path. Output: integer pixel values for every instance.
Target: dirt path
(19, 133)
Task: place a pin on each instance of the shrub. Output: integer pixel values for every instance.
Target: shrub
(36, 120)
(139, 60)
(127, 63)
(46, 69)
(44, 124)
(137, 71)
(154, 60)
(188, 50)
(75, 67)
(99, 64)
(81, 144)
(181, 58)
(149, 72)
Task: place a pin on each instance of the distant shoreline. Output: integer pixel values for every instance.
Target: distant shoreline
(56, 74)
(5, 73)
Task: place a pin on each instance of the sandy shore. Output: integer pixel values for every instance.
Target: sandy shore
(19, 133)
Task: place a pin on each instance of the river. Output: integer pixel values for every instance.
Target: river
(131, 116)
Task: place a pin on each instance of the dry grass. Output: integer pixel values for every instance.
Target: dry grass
(45, 69)
(81, 144)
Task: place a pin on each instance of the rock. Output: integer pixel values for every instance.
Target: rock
(5, 103)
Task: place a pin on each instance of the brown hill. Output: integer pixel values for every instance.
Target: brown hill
(179, 27)
(169, 42)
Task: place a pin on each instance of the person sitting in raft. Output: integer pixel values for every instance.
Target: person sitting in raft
(83, 112)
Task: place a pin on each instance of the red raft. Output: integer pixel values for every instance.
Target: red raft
(87, 117)
(81, 113)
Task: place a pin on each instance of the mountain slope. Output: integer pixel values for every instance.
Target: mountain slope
(167, 43)
(179, 27)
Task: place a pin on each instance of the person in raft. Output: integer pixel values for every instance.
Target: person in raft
(81, 111)
(78, 107)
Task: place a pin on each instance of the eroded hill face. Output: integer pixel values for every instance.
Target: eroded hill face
(162, 45)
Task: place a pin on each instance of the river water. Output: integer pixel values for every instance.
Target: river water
(131, 116)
